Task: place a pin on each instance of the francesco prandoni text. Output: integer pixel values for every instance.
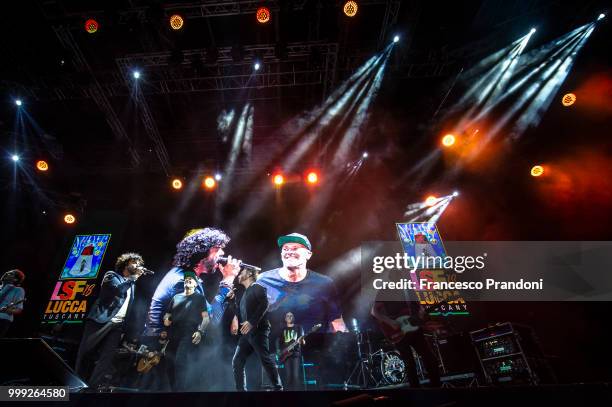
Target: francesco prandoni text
(488, 284)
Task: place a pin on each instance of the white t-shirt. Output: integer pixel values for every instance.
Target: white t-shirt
(120, 316)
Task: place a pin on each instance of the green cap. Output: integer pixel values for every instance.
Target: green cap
(190, 274)
(294, 238)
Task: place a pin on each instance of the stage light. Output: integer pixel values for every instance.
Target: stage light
(568, 99)
(431, 200)
(312, 177)
(350, 8)
(176, 22)
(69, 218)
(532, 31)
(136, 74)
(91, 26)
(278, 180)
(256, 66)
(263, 15)
(364, 155)
(537, 170)
(209, 182)
(177, 183)
(42, 165)
(18, 102)
(456, 193)
(448, 140)
(15, 157)
(601, 16)
(217, 177)
(396, 39)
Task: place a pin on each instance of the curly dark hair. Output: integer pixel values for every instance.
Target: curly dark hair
(125, 258)
(196, 245)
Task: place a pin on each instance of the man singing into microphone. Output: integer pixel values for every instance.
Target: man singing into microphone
(198, 252)
(106, 324)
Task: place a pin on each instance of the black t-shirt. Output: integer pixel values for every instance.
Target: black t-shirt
(312, 301)
(288, 336)
(186, 311)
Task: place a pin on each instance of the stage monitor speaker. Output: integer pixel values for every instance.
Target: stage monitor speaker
(34, 363)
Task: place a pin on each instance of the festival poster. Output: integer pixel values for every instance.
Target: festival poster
(423, 239)
(70, 299)
(85, 257)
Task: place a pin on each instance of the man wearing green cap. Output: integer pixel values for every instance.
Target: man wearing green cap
(187, 318)
(310, 296)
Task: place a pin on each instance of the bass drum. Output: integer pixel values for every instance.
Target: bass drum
(388, 368)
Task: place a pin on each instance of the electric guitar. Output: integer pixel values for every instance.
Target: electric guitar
(11, 305)
(148, 359)
(410, 323)
(288, 351)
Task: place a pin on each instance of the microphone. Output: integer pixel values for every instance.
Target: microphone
(146, 271)
(223, 261)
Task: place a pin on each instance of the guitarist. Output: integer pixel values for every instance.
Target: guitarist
(293, 363)
(385, 313)
(11, 298)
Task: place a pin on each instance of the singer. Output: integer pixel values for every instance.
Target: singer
(106, 322)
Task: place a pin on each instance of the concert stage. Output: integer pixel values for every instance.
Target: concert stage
(559, 395)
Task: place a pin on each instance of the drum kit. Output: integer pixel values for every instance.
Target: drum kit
(383, 367)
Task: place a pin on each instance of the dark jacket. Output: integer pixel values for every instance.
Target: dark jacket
(254, 307)
(113, 292)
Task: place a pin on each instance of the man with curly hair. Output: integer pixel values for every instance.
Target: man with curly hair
(197, 252)
(106, 321)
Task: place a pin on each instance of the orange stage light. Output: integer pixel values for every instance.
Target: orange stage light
(350, 8)
(312, 177)
(263, 15)
(431, 200)
(176, 22)
(69, 218)
(278, 180)
(209, 182)
(537, 170)
(42, 165)
(448, 140)
(91, 26)
(177, 183)
(568, 99)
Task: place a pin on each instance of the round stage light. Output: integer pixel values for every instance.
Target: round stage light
(431, 200)
(568, 99)
(350, 8)
(601, 16)
(257, 66)
(18, 102)
(136, 74)
(176, 21)
(209, 182)
(91, 26)
(532, 31)
(448, 140)
(537, 170)
(263, 15)
(42, 165)
(312, 177)
(364, 155)
(15, 157)
(217, 177)
(456, 193)
(278, 180)
(69, 218)
(177, 183)
(396, 38)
